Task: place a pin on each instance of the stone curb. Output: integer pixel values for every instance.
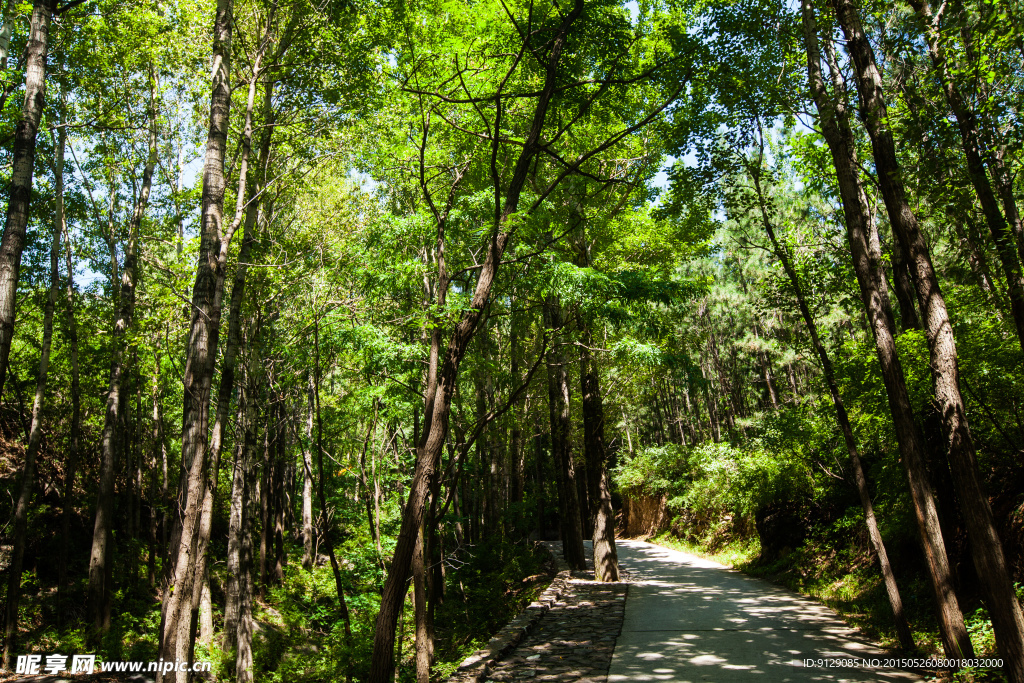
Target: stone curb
(474, 669)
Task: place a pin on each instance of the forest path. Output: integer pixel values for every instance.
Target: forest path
(689, 619)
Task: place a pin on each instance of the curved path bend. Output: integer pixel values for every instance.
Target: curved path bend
(688, 619)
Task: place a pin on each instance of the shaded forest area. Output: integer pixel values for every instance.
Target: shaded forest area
(314, 316)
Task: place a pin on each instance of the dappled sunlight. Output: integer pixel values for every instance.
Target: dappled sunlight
(690, 619)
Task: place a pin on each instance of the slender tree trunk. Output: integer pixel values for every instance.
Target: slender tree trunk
(892, 591)
(153, 465)
(561, 442)
(515, 445)
(22, 166)
(419, 592)
(243, 658)
(904, 287)
(205, 612)
(239, 515)
(176, 616)
(438, 398)
(372, 497)
(325, 532)
(307, 498)
(278, 492)
(989, 560)
(606, 563)
(75, 435)
(28, 473)
(593, 422)
(247, 187)
(970, 140)
(102, 537)
(835, 126)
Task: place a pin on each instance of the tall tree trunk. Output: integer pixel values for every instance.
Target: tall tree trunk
(28, 473)
(307, 498)
(238, 516)
(75, 435)
(419, 594)
(970, 140)
(278, 490)
(835, 127)
(997, 585)
(249, 188)
(438, 398)
(22, 165)
(561, 441)
(157, 454)
(201, 353)
(102, 536)
(593, 422)
(892, 591)
(515, 445)
(325, 532)
(244, 659)
(606, 561)
(371, 494)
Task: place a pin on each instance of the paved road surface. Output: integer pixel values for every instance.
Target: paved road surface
(688, 619)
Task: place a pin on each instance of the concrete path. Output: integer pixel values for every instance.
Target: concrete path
(688, 619)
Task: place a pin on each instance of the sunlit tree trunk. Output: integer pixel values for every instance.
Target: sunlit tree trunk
(835, 127)
(248, 202)
(423, 637)
(244, 658)
(22, 165)
(28, 472)
(892, 591)
(987, 549)
(176, 615)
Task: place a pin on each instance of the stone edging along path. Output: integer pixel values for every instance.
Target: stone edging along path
(567, 634)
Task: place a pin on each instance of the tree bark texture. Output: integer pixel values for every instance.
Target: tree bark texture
(28, 473)
(606, 562)
(989, 560)
(247, 188)
(176, 617)
(835, 127)
(892, 590)
(239, 515)
(570, 520)
(22, 166)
